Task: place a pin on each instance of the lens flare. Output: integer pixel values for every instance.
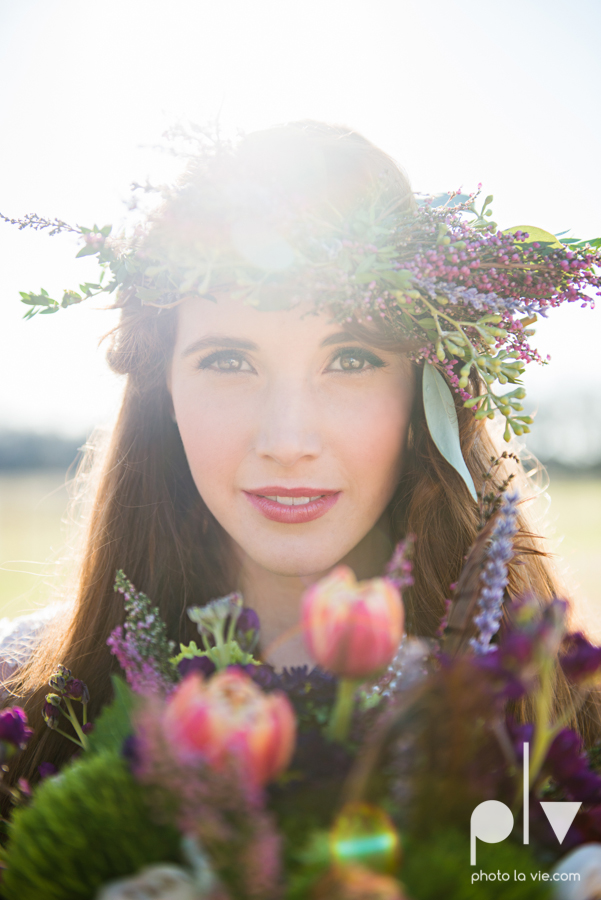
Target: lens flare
(364, 834)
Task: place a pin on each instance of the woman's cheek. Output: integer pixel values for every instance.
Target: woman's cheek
(215, 439)
(373, 438)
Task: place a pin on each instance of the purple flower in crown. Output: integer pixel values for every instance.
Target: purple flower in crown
(579, 659)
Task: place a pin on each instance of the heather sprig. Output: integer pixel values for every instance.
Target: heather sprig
(141, 644)
(494, 575)
(490, 496)
(399, 568)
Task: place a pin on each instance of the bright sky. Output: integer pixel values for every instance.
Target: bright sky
(459, 91)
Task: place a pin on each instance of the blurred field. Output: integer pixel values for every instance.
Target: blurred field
(31, 536)
(572, 524)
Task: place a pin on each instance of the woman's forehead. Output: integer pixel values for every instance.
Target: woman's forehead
(199, 317)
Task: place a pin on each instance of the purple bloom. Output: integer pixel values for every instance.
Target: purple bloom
(77, 690)
(506, 683)
(569, 766)
(578, 658)
(131, 751)
(47, 769)
(51, 711)
(398, 569)
(494, 576)
(13, 727)
(517, 648)
(247, 629)
(201, 664)
(520, 734)
(266, 677)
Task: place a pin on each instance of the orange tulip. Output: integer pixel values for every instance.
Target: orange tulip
(352, 628)
(229, 716)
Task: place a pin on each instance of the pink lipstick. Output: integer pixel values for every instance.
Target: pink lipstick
(292, 506)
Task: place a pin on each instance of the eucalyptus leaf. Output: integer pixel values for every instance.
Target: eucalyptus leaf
(441, 417)
(87, 250)
(535, 234)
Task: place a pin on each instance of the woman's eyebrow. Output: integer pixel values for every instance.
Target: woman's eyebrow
(340, 337)
(218, 340)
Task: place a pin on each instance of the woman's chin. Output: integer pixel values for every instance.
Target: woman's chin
(311, 563)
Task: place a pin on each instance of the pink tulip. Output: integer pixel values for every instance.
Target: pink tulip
(228, 716)
(352, 628)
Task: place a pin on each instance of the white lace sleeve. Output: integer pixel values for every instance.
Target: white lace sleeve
(19, 637)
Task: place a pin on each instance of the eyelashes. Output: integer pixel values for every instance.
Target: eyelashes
(235, 362)
(224, 356)
(359, 354)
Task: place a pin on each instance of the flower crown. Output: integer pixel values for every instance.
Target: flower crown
(461, 294)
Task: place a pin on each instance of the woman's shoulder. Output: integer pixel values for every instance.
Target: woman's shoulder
(19, 637)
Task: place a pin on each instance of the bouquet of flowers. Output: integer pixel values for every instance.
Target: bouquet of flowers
(373, 775)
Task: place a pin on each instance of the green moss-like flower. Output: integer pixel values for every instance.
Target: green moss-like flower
(85, 827)
(439, 867)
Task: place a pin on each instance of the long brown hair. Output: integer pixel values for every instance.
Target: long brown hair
(149, 519)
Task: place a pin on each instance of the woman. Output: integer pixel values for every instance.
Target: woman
(257, 449)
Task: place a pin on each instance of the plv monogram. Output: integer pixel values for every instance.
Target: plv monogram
(492, 821)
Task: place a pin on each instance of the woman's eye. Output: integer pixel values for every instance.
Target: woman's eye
(225, 361)
(354, 359)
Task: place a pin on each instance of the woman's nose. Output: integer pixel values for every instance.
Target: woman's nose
(287, 427)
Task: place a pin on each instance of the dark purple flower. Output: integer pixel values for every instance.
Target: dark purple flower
(47, 769)
(51, 711)
(247, 629)
(516, 648)
(131, 751)
(569, 766)
(201, 664)
(520, 733)
(13, 726)
(77, 690)
(266, 677)
(578, 658)
(88, 728)
(503, 679)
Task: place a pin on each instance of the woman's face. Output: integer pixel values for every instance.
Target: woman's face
(274, 405)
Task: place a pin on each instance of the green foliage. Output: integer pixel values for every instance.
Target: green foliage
(231, 652)
(306, 866)
(85, 827)
(113, 725)
(440, 867)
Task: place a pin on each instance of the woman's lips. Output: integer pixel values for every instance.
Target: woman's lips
(293, 515)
